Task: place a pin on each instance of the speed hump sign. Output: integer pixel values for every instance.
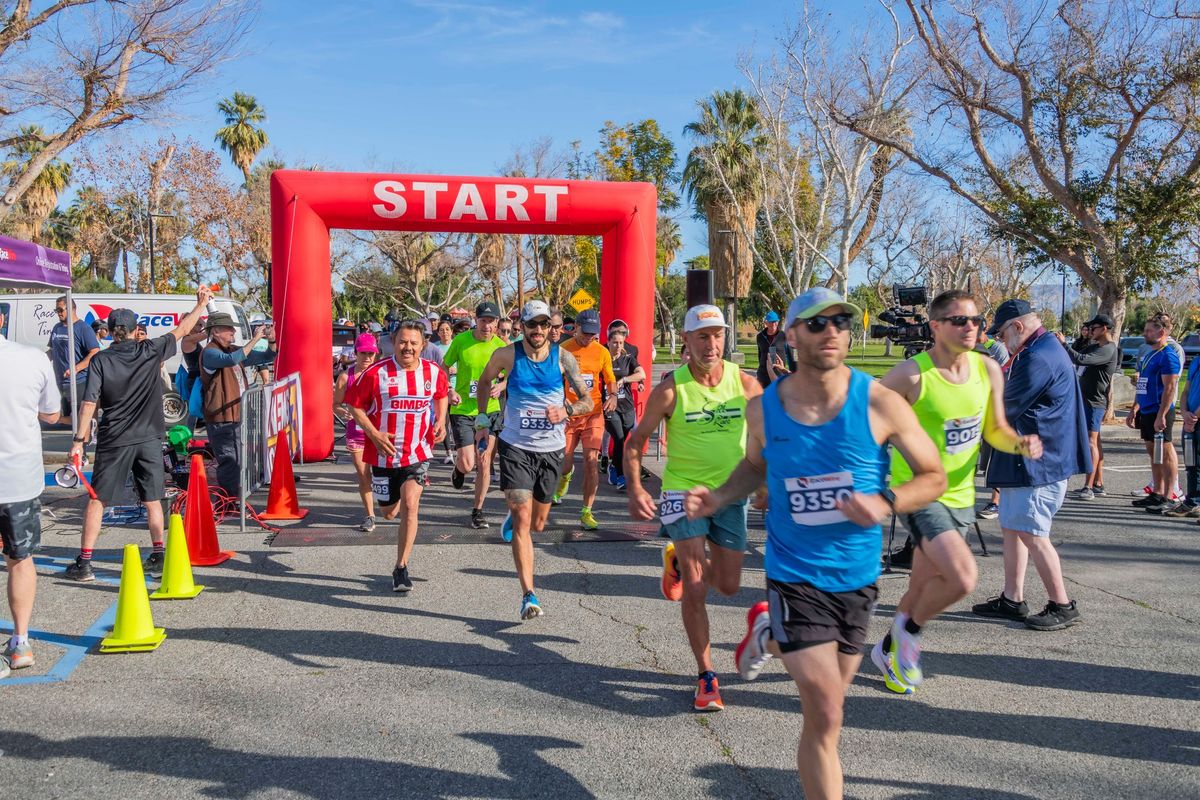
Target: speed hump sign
(581, 300)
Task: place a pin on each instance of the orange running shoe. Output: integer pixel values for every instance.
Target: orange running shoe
(672, 581)
(708, 696)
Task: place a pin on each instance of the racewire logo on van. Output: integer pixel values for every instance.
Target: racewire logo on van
(164, 320)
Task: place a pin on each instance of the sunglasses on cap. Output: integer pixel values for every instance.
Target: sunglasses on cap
(959, 320)
(820, 322)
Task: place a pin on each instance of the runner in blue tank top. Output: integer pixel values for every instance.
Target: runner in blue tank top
(534, 433)
(817, 438)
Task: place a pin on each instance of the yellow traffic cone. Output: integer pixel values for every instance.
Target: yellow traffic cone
(177, 583)
(134, 630)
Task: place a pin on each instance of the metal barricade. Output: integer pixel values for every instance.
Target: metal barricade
(252, 441)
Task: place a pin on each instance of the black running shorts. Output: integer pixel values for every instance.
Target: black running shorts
(386, 482)
(1145, 424)
(529, 470)
(462, 428)
(803, 615)
(114, 464)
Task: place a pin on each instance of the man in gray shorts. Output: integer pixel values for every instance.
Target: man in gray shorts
(950, 388)
(1042, 394)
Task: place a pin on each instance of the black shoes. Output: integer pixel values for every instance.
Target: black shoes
(457, 479)
(1002, 608)
(153, 565)
(400, 580)
(1054, 617)
(902, 558)
(80, 571)
(477, 520)
(1150, 500)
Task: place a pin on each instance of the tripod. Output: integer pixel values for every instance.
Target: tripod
(887, 563)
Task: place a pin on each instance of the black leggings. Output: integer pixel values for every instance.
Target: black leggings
(619, 424)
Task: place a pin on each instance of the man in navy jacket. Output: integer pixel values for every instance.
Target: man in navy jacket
(1041, 396)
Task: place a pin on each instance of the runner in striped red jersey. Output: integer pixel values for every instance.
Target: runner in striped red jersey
(400, 403)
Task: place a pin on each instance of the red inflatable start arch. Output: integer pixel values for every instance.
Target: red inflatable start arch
(306, 205)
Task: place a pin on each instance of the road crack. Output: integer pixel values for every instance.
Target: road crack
(1136, 602)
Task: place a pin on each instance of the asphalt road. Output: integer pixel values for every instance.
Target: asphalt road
(299, 674)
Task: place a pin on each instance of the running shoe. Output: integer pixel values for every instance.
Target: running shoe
(153, 565)
(80, 571)
(1054, 617)
(368, 524)
(887, 665)
(560, 492)
(621, 483)
(1145, 490)
(587, 520)
(990, 511)
(672, 581)
(457, 478)
(604, 462)
(506, 528)
(612, 475)
(1164, 507)
(478, 522)
(1099, 490)
(1085, 493)
(708, 695)
(1000, 606)
(751, 654)
(530, 607)
(400, 580)
(1183, 510)
(20, 656)
(1150, 500)
(906, 653)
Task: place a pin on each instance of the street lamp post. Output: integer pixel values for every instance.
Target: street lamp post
(154, 214)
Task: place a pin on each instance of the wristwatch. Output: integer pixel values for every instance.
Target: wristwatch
(78, 440)
(482, 421)
(889, 497)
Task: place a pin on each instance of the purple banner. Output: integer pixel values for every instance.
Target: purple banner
(25, 263)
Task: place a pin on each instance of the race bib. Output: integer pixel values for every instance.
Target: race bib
(530, 421)
(381, 487)
(962, 434)
(813, 501)
(474, 387)
(1142, 384)
(589, 380)
(621, 393)
(670, 507)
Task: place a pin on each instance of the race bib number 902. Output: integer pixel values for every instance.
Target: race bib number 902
(963, 434)
(813, 500)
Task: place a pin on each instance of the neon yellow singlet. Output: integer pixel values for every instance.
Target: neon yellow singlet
(706, 434)
(953, 415)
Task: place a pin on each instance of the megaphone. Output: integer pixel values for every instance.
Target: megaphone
(66, 477)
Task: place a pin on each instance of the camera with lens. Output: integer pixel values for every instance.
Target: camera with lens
(906, 325)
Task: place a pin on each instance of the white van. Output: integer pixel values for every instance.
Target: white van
(29, 318)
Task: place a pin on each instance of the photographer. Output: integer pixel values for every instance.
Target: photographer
(223, 378)
(775, 358)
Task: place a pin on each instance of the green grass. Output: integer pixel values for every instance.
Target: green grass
(871, 360)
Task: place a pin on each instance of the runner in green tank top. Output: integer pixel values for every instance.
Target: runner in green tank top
(958, 397)
(703, 404)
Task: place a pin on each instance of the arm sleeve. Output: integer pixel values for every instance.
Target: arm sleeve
(213, 359)
(95, 379)
(49, 399)
(607, 369)
(1098, 357)
(450, 357)
(1174, 366)
(166, 346)
(87, 337)
(761, 342)
(258, 358)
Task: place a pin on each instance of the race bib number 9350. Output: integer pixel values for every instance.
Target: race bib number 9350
(813, 500)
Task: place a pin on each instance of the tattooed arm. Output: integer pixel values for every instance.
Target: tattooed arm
(574, 379)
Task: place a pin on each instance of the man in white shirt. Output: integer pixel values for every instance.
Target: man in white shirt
(28, 393)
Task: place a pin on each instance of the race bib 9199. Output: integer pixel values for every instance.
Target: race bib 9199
(813, 500)
(963, 434)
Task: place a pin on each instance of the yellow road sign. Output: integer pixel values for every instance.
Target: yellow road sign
(581, 300)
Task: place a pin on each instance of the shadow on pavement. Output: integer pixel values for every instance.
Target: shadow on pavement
(733, 781)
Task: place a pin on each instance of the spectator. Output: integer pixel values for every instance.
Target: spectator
(993, 348)
(443, 336)
(556, 327)
(621, 421)
(1041, 396)
(29, 394)
(1154, 410)
(140, 333)
(775, 358)
(1190, 507)
(125, 382)
(223, 377)
(100, 328)
(504, 329)
(1095, 360)
(86, 347)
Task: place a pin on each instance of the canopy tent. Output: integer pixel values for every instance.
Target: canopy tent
(25, 264)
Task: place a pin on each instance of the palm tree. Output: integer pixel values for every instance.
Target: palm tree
(42, 197)
(240, 138)
(669, 240)
(721, 180)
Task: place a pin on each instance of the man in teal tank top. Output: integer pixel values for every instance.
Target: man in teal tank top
(958, 398)
(817, 438)
(704, 406)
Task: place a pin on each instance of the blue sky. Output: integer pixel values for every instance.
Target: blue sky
(452, 86)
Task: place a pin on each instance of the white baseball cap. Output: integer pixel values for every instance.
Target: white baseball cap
(704, 316)
(534, 309)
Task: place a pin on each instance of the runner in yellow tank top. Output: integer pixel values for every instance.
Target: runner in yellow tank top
(958, 397)
(704, 406)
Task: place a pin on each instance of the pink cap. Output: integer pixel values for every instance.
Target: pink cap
(365, 343)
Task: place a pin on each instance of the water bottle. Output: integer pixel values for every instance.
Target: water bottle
(1158, 447)
(482, 445)
(1189, 450)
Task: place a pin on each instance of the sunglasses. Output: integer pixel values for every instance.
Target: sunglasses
(60, 311)
(959, 320)
(820, 322)
(536, 325)
(557, 327)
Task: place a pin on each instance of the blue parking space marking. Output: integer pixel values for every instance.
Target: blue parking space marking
(76, 647)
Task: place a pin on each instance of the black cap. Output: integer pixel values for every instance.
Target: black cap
(588, 321)
(487, 309)
(1101, 319)
(445, 318)
(123, 317)
(1007, 312)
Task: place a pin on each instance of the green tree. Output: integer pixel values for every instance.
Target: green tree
(669, 240)
(639, 151)
(36, 205)
(240, 137)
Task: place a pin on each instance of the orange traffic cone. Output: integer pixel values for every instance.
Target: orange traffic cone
(282, 502)
(199, 523)
(133, 631)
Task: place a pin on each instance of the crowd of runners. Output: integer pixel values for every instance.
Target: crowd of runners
(826, 452)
